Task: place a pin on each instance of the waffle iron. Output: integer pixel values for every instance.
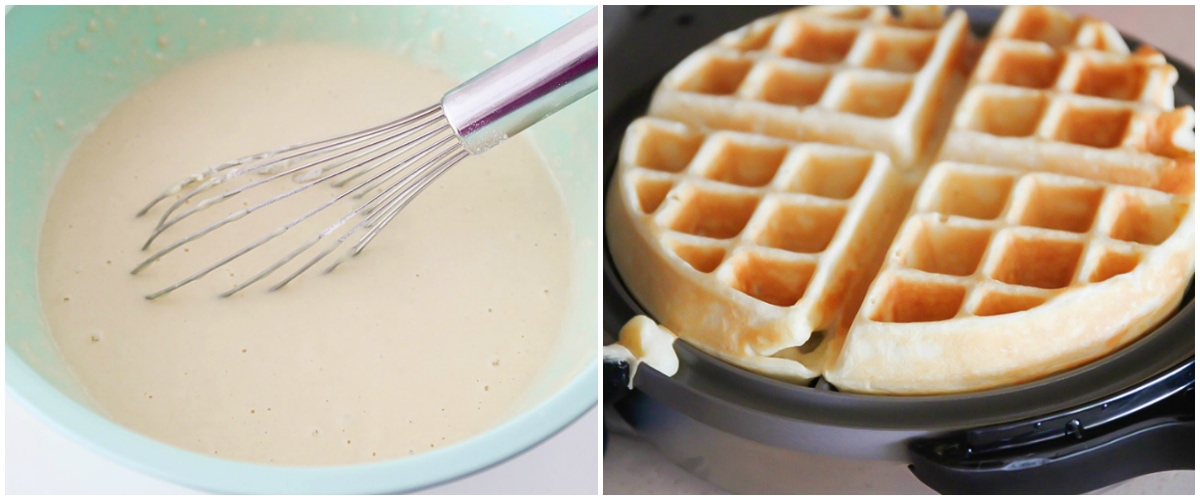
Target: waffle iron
(1126, 415)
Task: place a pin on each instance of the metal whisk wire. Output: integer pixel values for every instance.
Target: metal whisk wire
(439, 149)
(399, 159)
(212, 180)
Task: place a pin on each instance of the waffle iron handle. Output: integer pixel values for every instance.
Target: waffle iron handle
(1159, 437)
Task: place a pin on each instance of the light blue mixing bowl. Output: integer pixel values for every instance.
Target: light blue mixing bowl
(51, 50)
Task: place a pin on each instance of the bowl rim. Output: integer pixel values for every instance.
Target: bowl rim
(200, 471)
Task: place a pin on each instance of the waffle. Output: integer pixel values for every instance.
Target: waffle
(854, 76)
(772, 215)
(1065, 95)
(740, 229)
(996, 276)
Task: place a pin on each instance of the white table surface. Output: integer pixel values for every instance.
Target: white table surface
(632, 466)
(38, 459)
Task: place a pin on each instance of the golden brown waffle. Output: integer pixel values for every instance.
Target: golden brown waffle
(746, 230)
(956, 305)
(1059, 94)
(798, 259)
(840, 75)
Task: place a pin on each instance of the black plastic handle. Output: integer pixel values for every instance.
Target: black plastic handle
(616, 385)
(616, 380)
(1145, 429)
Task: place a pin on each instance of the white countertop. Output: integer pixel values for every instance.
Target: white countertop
(38, 459)
(635, 467)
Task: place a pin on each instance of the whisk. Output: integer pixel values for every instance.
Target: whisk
(387, 165)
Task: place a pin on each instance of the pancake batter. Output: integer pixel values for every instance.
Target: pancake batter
(425, 339)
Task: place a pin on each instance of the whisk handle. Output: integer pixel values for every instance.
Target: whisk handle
(530, 85)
